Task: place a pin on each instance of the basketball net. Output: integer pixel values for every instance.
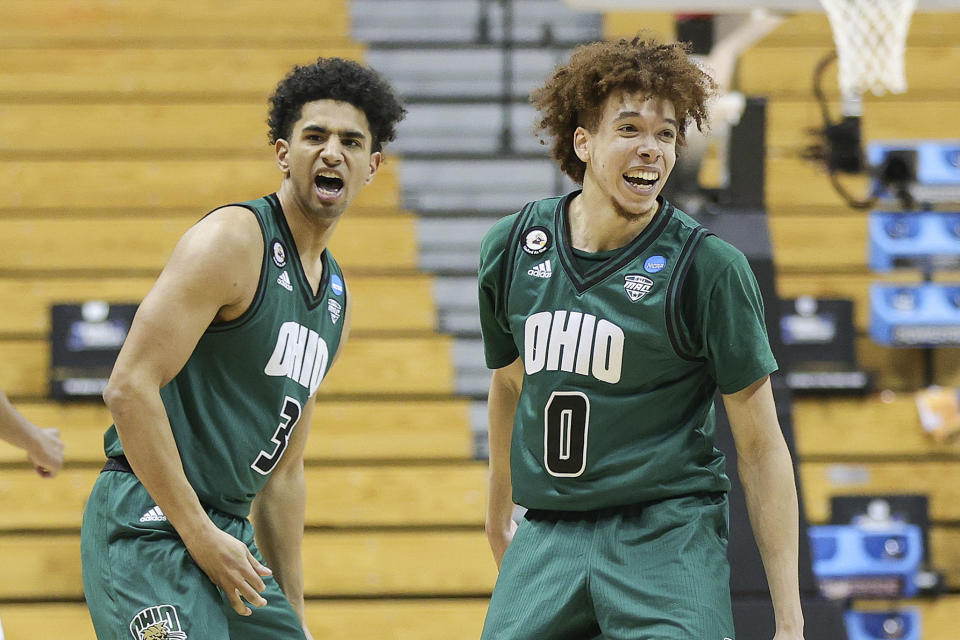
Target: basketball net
(871, 39)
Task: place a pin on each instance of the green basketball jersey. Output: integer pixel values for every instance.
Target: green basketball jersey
(239, 397)
(621, 356)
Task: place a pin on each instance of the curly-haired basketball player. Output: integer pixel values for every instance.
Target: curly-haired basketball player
(610, 318)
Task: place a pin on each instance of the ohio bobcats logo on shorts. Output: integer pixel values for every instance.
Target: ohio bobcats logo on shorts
(157, 623)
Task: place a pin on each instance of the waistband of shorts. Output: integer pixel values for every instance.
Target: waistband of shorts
(117, 463)
(605, 512)
(120, 463)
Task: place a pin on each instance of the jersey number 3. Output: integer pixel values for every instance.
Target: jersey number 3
(566, 421)
(289, 416)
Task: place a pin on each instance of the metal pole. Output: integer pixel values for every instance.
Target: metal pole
(483, 22)
(506, 95)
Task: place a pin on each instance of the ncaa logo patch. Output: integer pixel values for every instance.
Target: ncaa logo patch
(636, 285)
(535, 240)
(336, 284)
(157, 623)
(278, 253)
(654, 264)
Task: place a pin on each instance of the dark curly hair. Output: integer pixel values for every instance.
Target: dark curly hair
(336, 79)
(575, 95)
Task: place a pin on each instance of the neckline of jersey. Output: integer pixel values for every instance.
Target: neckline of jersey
(583, 281)
(312, 299)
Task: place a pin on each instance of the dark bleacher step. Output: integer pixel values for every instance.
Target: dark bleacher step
(472, 22)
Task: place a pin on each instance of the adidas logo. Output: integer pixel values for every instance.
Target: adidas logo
(542, 270)
(284, 281)
(154, 515)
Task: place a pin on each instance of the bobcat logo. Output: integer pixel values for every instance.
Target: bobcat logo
(157, 623)
(159, 632)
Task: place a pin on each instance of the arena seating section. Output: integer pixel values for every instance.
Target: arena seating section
(122, 123)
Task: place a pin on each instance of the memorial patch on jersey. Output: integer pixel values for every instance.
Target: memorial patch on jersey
(301, 355)
(335, 308)
(535, 240)
(157, 623)
(636, 285)
(279, 254)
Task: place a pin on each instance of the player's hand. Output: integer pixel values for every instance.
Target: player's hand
(500, 540)
(785, 635)
(46, 452)
(230, 565)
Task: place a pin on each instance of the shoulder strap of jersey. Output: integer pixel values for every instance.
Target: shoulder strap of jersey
(259, 209)
(672, 307)
(510, 253)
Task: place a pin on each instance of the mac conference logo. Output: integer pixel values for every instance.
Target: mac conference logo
(636, 285)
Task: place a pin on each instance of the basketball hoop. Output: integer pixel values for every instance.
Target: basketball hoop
(870, 38)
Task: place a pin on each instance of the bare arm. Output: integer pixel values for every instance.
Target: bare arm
(279, 509)
(43, 446)
(279, 512)
(212, 275)
(505, 388)
(766, 472)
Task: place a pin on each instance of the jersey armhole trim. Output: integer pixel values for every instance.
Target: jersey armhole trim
(509, 258)
(258, 297)
(672, 307)
(346, 302)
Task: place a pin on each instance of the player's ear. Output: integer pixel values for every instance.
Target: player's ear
(581, 144)
(282, 148)
(375, 159)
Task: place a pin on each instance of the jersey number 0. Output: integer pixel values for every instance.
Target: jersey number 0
(289, 416)
(566, 420)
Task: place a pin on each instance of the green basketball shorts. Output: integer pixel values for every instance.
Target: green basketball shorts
(654, 571)
(141, 583)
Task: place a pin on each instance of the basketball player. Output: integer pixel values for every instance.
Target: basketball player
(43, 446)
(213, 391)
(610, 318)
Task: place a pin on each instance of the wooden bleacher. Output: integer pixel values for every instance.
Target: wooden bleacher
(123, 124)
(351, 430)
(139, 184)
(408, 619)
(380, 304)
(872, 444)
(385, 563)
(363, 494)
(45, 23)
(368, 366)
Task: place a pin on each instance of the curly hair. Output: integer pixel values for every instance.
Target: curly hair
(576, 93)
(336, 79)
